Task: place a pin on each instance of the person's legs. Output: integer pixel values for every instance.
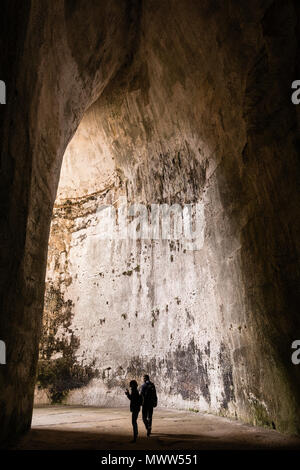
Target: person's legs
(149, 419)
(134, 424)
(145, 414)
(150, 414)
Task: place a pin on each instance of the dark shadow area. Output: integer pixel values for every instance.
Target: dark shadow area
(46, 439)
(189, 102)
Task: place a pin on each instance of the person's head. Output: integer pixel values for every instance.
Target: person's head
(133, 384)
(146, 378)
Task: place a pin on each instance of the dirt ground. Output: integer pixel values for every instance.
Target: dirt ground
(91, 428)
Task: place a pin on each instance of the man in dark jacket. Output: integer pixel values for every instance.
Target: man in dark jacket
(148, 393)
(135, 406)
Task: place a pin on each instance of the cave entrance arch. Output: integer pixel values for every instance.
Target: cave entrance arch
(113, 306)
(168, 130)
(186, 118)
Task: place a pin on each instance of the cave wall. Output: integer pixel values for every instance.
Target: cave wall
(192, 120)
(117, 308)
(210, 82)
(50, 57)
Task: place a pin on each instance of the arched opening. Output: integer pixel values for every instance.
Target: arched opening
(172, 110)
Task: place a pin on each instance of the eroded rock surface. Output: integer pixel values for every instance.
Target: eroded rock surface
(191, 103)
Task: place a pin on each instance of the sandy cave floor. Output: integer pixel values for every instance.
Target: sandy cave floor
(91, 428)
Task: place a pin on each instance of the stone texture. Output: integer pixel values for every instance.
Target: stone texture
(48, 88)
(89, 428)
(191, 102)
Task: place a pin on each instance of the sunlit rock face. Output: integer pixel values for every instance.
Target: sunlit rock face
(183, 124)
(117, 307)
(179, 102)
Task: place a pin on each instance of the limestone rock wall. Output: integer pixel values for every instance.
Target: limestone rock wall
(50, 81)
(115, 309)
(192, 103)
(187, 123)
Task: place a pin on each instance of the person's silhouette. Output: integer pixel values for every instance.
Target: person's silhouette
(135, 406)
(148, 393)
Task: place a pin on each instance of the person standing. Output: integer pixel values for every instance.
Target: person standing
(149, 396)
(135, 406)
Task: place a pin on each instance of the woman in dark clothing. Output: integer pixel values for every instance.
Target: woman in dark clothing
(135, 405)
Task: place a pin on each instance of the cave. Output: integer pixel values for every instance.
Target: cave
(144, 106)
